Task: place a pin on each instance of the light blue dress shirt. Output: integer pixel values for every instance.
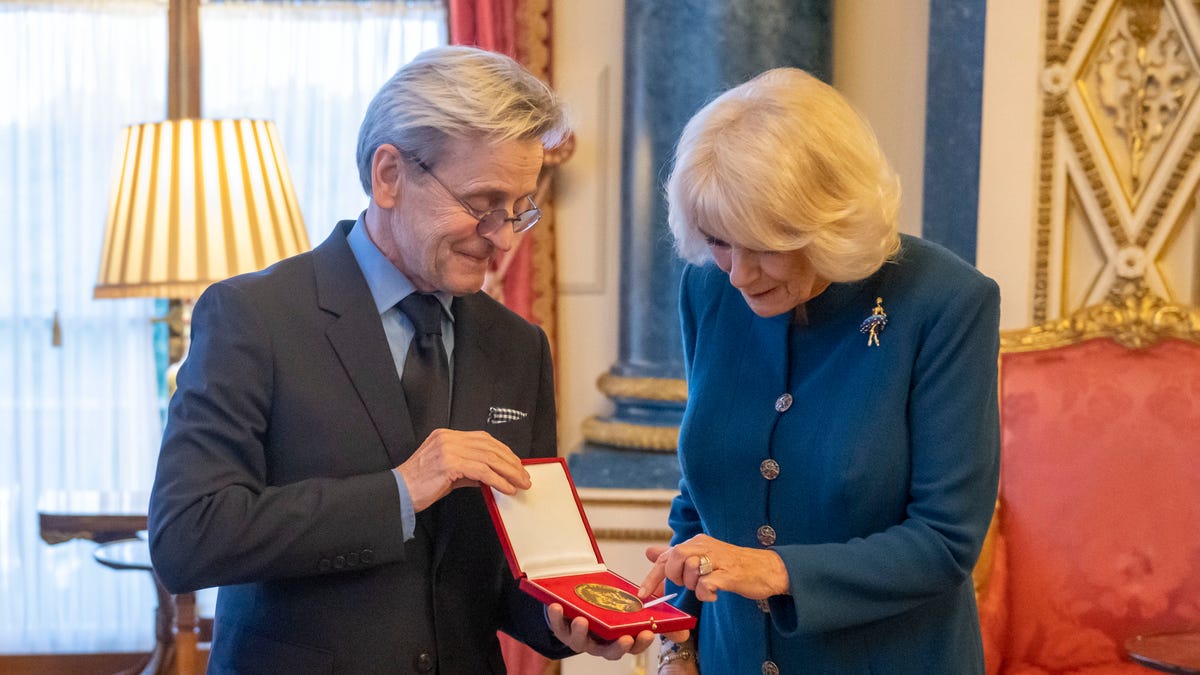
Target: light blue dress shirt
(389, 286)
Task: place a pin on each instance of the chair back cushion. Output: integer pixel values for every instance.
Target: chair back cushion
(1100, 499)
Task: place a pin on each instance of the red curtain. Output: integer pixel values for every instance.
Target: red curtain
(492, 25)
(488, 24)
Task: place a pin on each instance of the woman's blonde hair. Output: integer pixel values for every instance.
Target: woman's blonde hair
(784, 163)
(458, 92)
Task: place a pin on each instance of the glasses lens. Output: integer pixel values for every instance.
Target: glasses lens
(524, 220)
(527, 219)
(493, 221)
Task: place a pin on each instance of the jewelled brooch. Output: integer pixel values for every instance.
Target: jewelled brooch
(873, 325)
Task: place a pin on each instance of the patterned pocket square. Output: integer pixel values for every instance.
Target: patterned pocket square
(503, 415)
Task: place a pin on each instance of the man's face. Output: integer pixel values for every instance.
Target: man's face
(431, 238)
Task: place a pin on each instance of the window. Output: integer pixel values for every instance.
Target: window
(312, 68)
(86, 414)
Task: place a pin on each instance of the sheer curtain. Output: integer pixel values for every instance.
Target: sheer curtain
(84, 415)
(312, 68)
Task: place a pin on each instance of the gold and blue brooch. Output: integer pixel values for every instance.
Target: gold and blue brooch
(873, 325)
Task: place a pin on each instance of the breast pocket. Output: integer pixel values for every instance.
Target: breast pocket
(514, 431)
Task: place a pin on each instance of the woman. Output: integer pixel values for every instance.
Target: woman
(840, 445)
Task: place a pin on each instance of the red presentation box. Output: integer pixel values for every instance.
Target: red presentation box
(551, 549)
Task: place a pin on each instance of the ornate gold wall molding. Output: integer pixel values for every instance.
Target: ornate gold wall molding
(1117, 176)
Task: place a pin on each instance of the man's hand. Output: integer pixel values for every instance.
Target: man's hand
(752, 573)
(574, 634)
(451, 459)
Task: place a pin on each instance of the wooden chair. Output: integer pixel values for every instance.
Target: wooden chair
(1097, 532)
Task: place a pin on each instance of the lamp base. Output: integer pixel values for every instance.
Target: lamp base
(179, 329)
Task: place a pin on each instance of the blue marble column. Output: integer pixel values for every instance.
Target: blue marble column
(679, 54)
(953, 121)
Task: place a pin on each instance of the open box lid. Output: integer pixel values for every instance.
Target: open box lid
(543, 529)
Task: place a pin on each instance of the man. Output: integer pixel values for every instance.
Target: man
(332, 405)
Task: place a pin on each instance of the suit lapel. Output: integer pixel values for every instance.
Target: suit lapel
(358, 339)
(474, 387)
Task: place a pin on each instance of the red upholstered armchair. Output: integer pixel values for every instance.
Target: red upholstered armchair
(1097, 533)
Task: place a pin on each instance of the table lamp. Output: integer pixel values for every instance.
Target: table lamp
(196, 201)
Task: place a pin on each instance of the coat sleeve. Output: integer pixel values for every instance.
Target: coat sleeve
(954, 438)
(214, 517)
(683, 519)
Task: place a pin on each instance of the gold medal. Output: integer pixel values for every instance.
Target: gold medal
(609, 597)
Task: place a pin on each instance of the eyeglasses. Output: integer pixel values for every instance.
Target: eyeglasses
(489, 221)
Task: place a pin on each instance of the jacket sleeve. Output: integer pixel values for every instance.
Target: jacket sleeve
(684, 520)
(215, 518)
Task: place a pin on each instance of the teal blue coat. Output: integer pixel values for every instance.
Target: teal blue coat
(888, 466)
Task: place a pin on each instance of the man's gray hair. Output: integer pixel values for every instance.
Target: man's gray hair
(458, 92)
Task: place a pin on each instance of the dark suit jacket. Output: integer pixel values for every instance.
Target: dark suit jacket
(274, 480)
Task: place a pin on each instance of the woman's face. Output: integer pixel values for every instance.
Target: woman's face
(772, 282)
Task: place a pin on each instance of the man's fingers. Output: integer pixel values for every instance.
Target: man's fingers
(643, 642)
(678, 636)
(616, 649)
(579, 634)
(485, 475)
(447, 458)
(558, 626)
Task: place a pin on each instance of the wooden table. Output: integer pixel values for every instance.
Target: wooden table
(115, 520)
(1168, 652)
(93, 515)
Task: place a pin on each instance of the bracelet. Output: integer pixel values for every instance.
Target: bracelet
(670, 652)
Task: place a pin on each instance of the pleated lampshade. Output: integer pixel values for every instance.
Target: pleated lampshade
(197, 201)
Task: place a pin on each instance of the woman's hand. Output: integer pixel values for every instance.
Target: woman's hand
(752, 573)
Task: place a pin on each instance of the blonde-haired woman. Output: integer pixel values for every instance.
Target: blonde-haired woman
(840, 444)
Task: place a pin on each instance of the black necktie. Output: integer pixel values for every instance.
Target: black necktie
(426, 378)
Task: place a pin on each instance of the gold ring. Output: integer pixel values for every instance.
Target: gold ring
(706, 566)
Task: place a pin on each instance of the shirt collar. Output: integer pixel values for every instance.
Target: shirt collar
(388, 285)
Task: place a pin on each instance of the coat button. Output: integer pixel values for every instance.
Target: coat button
(339, 562)
(769, 469)
(766, 535)
(769, 668)
(367, 556)
(423, 663)
(324, 565)
(783, 402)
(763, 606)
